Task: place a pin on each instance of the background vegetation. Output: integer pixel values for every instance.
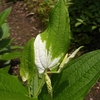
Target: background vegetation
(84, 16)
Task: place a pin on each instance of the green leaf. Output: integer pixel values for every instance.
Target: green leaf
(4, 15)
(10, 84)
(4, 31)
(80, 20)
(13, 96)
(16, 47)
(29, 72)
(34, 84)
(78, 77)
(27, 66)
(4, 43)
(5, 70)
(11, 55)
(94, 27)
(51, 45)
(37, 84)
(57, 35)
(78, 24)
(11, 88)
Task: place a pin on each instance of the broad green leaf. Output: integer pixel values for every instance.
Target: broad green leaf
(10, 55)
(51, 45)
(28, 70)
(4, 43)
(4, 15)
(4, 95)
(44, 94)
(27, 66)
(4, 31)
(11, 88)
(9, 83)
(78, 77)
(5, 70)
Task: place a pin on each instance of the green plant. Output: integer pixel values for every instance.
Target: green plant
(85, 17)
(7, 52)
(85, 21)
(46, 69)
(40, 7)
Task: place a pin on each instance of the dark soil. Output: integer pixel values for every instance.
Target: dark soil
(24, 26)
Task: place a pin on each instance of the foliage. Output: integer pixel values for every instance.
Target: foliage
(10, 87)
(6, 52)
(45, 66)
(84, 16)
(40, 7)
(45, 51)
(76, 79)
(46, 41)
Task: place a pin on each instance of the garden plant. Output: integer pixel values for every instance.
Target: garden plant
(7, 52)
(47, 69)
(84, 16)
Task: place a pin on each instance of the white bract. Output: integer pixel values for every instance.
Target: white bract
(43, 58)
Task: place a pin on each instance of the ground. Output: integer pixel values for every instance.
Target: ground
(24, 26)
